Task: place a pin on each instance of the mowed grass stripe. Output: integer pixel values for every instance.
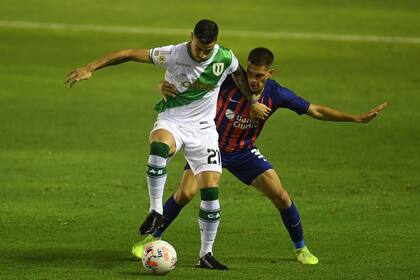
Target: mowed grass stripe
(227, 33)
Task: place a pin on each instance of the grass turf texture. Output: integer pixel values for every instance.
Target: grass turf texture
(72, 182)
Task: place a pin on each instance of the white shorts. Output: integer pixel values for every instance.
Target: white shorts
(200, 144)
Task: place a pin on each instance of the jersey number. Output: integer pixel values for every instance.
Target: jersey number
(214, 156)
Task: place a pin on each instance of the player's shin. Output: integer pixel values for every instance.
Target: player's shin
(156, 174)
(291, 221)
(209, 218)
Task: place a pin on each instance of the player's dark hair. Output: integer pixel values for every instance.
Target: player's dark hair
(261, 57)
(206, 31)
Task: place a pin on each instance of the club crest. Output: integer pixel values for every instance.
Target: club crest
(218, 68)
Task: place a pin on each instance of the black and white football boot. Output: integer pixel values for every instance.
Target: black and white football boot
(209, 262)
(153, 221)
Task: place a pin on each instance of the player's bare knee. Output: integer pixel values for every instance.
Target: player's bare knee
(208, 179)
(282, 200)
(165, 137)
(285, 197)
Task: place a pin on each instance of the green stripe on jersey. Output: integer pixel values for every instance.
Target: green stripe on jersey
(206, 82)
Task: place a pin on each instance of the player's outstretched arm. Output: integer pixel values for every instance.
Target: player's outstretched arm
(85, 72)
(325, 113)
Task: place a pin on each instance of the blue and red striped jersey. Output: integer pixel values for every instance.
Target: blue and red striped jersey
(235, 127)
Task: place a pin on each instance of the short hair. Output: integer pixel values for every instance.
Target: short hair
(261, 57)
(206, 31)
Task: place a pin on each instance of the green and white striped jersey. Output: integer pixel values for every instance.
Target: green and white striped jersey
(198, 83)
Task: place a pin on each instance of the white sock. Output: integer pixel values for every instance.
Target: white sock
(209, 222)
(156, 178)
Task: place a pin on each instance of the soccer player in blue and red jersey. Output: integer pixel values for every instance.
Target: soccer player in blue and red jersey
(237, 134)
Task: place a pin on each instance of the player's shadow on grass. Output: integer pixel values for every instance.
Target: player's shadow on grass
(120, 262)
(57, 256)
(261, 260)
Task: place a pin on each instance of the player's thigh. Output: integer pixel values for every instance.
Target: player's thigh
(270, 185)
(187, 189)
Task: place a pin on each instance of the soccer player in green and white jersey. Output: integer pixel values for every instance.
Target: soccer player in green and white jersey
(197, 69)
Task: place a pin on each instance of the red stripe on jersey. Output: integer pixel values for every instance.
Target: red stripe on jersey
(257, 131)
(244, 133)
(228, 127)
(226, 103)
(242, 142)
(236, 134)
(219, 107)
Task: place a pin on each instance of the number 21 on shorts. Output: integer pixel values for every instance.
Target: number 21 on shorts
(214, 156)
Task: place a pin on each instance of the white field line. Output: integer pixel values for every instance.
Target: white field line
(226, 33)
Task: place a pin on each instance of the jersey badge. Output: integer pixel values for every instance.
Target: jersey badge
(218, 68)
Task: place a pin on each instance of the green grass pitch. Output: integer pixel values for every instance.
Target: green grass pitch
(72, 162)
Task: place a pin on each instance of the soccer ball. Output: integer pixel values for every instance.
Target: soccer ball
(159, 257)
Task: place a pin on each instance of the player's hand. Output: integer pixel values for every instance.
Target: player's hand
(260, 111)
(368, 116)
(167, 89)
(82, 73)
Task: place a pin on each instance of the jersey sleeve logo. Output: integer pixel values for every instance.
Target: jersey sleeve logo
(161, 55)
(218, 68)
(161, 59)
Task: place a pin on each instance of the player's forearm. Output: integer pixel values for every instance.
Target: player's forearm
(324, 113)
(239, 77)
(118, 57)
